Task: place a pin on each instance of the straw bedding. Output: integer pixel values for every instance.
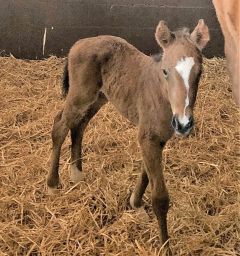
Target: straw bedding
(94, 217)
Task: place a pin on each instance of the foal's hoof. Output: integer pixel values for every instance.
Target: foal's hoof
(75, 174)
(52, 191)
(135, 202)
(53, 185)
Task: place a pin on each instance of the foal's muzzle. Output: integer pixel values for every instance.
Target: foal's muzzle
(182, 128)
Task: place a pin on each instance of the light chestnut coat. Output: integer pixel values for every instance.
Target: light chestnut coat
(157, 96)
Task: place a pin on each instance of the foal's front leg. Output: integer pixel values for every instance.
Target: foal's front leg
(139, 190)
(151, 147)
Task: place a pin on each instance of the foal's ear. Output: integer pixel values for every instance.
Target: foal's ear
(163, 34)
(200, 35)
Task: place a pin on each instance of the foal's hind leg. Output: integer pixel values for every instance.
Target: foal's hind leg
(77, 137)
(83, 92)
(59, 133)
(70, 118)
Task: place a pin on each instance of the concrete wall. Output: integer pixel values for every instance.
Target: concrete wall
(24, 22)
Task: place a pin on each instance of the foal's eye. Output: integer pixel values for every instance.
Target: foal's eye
(165, 73)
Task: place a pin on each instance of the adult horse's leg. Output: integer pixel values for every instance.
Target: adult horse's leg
(151, 149)
(228, 17)
(77, 137)
(137, 194)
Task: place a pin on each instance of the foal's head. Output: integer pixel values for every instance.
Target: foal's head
(181, 67)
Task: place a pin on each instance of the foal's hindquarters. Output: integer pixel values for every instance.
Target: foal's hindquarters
(87, 63)
(83, 101)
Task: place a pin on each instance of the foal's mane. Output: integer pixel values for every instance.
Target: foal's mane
(182, 32)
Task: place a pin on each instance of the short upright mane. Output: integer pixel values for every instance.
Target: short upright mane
(182, 32)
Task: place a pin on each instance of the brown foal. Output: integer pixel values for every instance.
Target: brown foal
(157, 95)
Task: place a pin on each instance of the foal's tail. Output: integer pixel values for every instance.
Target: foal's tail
(65, 82)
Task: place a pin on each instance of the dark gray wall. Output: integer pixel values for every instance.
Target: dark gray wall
(23, 22)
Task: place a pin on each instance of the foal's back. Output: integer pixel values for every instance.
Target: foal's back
(101, 49)
(114, 65)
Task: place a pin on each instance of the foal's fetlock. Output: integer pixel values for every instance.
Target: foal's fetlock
(76, 175)
(160, 205)
(135, 201)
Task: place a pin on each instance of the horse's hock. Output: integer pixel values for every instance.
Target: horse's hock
(37, 29)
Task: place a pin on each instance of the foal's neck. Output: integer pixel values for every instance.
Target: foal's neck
(155, 78)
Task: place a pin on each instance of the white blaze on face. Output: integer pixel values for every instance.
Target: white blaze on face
(184, 67)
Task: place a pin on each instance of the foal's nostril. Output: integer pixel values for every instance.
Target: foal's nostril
(174, 122)
(190, 123)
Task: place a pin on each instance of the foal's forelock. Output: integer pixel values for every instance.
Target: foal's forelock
(184, 68)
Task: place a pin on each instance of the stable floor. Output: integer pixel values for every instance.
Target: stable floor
(94, 218)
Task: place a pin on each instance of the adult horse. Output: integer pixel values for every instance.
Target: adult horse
(228, 15)
(157, 96)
